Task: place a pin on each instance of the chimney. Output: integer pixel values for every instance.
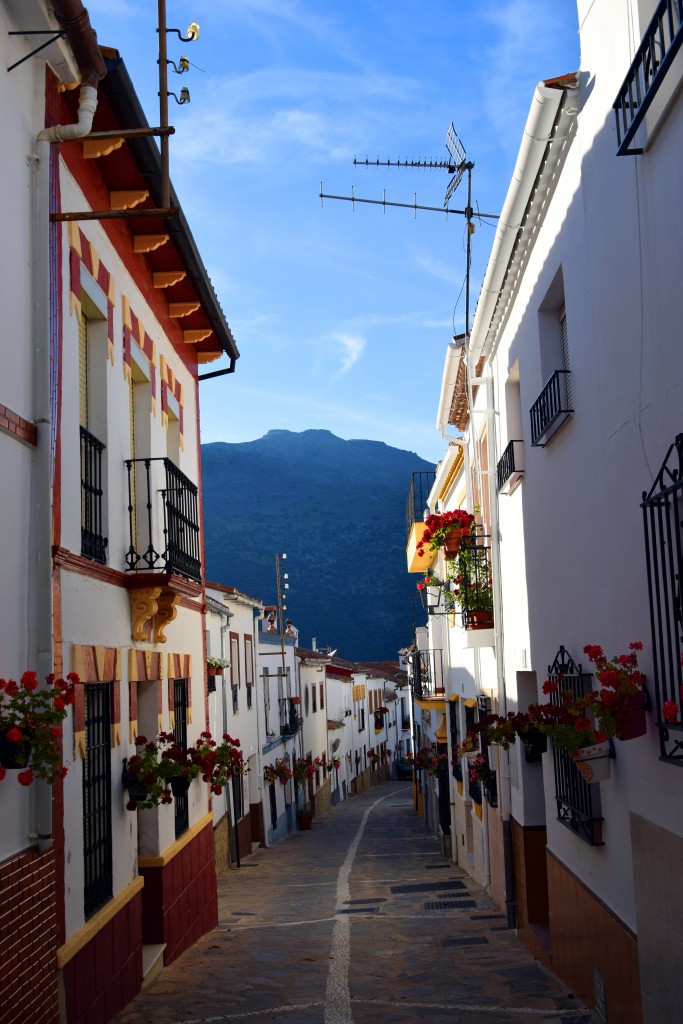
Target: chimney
(314, 643)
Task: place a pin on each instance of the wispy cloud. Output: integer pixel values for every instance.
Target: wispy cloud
(351, 346)
(261, 117)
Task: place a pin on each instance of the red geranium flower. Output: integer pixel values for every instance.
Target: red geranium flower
(25, 777)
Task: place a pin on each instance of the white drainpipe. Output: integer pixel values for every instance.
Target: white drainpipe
(40, 813)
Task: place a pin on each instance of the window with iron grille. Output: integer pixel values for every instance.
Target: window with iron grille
(663, 523)
(180, 802)
(456, 768)
(578, 803)
(238, 796)
(97, 833)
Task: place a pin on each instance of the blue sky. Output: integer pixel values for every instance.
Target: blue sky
(341, 316)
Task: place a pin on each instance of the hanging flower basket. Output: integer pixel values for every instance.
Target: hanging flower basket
(179, 785)
(15, 753)
(451, 543)
(629, 715)
(137, 791)
(593, 763)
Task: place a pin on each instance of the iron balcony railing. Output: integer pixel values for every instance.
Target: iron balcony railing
(550, 410)
(163, 518)
(93, 541)
(662, 521)
(474, 582)
(289, 717)
(510, 466)
(427, 673)
(418, 493)
(655, 55)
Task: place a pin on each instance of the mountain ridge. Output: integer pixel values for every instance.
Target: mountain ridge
(336, 507)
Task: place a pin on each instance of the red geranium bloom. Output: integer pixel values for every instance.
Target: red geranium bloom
(25, 777)
(670, 711)
(14, 735)
(550, 686)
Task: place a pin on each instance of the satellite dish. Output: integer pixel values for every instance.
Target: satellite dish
(335, 746)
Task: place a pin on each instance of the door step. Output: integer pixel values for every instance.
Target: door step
(152, 963)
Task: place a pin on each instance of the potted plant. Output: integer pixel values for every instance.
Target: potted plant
(444, 530)
(616, 710)
(215, 666)
(303, 770)
(31, 719)
(278, 772)
(217, 762)
(426, 757)
(154, 765)
(305, 817)
(473, 585)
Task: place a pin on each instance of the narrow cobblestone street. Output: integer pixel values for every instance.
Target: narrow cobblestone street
(357, 920)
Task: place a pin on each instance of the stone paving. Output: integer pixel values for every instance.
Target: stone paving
(359, 920)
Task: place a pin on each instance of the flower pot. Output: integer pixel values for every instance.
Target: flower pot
(211, 671)
(629, 716)
(535, 745)
(15, 755)
(593, 763)
(451, 543)
(482, 619)
(305, 822)
(179, 785)
(137, 791)
(295, 700)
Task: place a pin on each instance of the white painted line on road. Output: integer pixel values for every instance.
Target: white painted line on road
(337, 993)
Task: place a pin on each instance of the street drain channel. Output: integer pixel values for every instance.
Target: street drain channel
(473, 940)
(450, 905)
(360, 910)
(487, 917)
(427, 887)
(379, 899)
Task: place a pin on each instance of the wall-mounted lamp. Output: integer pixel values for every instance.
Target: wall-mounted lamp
(184, 96)
(181, 67)
(192, 32)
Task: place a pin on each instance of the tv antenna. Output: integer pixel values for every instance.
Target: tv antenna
(457, 166)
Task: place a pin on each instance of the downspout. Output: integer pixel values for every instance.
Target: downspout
(73, 17)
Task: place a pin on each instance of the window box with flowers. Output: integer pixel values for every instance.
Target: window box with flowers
(445, 530)
(31, 719)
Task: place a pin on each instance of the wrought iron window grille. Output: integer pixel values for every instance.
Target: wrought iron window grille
(93, 541)
(491, 790)
(427, 673)
(577, 802)
(164, 528)
(655, 55)
(180, 802)
(662, 509)
(510, 468)
(97, 829)
(551, 409)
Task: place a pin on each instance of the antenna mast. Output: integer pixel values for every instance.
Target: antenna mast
(457, 166)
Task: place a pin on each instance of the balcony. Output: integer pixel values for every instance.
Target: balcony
(550, 410)
(163, 520)
(510, 469)
(474, 583)
(427, 674)
(93, 542)
(290, 720)
(416, 510)
(645, 77)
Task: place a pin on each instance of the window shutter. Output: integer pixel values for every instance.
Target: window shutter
(83, 370)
